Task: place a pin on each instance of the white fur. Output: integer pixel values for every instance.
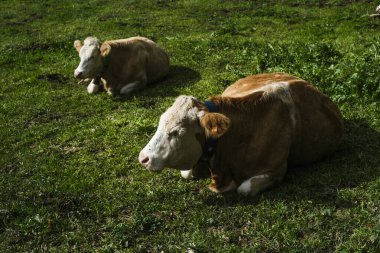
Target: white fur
(277, 89)
(92, 87)
(378, 9)
(90, 59)
(282, 91)
(246, 187)
(187, 174)
(175, 144)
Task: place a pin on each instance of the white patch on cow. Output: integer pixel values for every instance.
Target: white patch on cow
(92, 87)
(91, 63)
(277, 89)
(174, 144)
(246, 187)
(281, 90)
(110, 91)
(187, 174)
(201, 114)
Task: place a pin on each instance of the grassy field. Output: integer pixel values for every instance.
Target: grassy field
(69, 176)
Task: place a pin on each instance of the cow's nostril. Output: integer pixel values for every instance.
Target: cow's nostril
(145, 160)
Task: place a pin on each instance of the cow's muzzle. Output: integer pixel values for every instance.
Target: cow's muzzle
(144, 160)
(78, 74)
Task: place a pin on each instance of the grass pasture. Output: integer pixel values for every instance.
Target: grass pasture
(69, 175)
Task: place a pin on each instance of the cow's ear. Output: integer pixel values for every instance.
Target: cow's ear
(215, 124)
(197, 103)
(78, 45)
(105, 50)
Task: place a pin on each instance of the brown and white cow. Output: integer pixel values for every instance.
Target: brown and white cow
(122, 65)
(264, 124)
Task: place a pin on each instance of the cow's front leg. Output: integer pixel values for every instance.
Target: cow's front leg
(84, 81)
(94, 86)
(228, 187)
(257, 184)
(200, 171)
(222, 180)
(111, 91)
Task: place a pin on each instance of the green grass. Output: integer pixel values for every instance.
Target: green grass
(69, 176)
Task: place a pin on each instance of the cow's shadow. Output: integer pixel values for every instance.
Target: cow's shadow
(177, 78)
(356, 162)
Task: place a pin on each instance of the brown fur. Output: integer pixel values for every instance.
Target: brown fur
(133, 60)
(215, 124)
(262, 138)
(130, 60)
(249, 83)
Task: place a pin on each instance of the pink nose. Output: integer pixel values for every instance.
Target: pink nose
(143, 159)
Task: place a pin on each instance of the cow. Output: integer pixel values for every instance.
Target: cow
(122, 66)
(249, 135)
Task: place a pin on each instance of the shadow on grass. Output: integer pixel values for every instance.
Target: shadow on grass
(355, 163)
(178, 77)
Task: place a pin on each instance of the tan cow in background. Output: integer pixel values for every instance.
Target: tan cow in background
(122, 65)
(263, 124)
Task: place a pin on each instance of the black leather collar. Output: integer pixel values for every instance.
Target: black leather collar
(209, 147)
(211, 106)
(106, 62)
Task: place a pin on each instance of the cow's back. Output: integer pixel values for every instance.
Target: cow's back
(141, 52)
(317, 122)
(157, 60)
(250, 84)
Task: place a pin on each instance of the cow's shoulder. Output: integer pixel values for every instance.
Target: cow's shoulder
(271, 91)
(261, 82)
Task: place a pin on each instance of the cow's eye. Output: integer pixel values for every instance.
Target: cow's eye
(174, 133)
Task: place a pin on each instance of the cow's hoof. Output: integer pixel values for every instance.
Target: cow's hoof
(92, 88)
(187, 174)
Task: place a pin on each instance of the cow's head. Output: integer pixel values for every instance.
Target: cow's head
(92, 55)
(177, 142)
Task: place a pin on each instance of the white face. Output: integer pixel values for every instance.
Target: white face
(91, 63)
(174, 144)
